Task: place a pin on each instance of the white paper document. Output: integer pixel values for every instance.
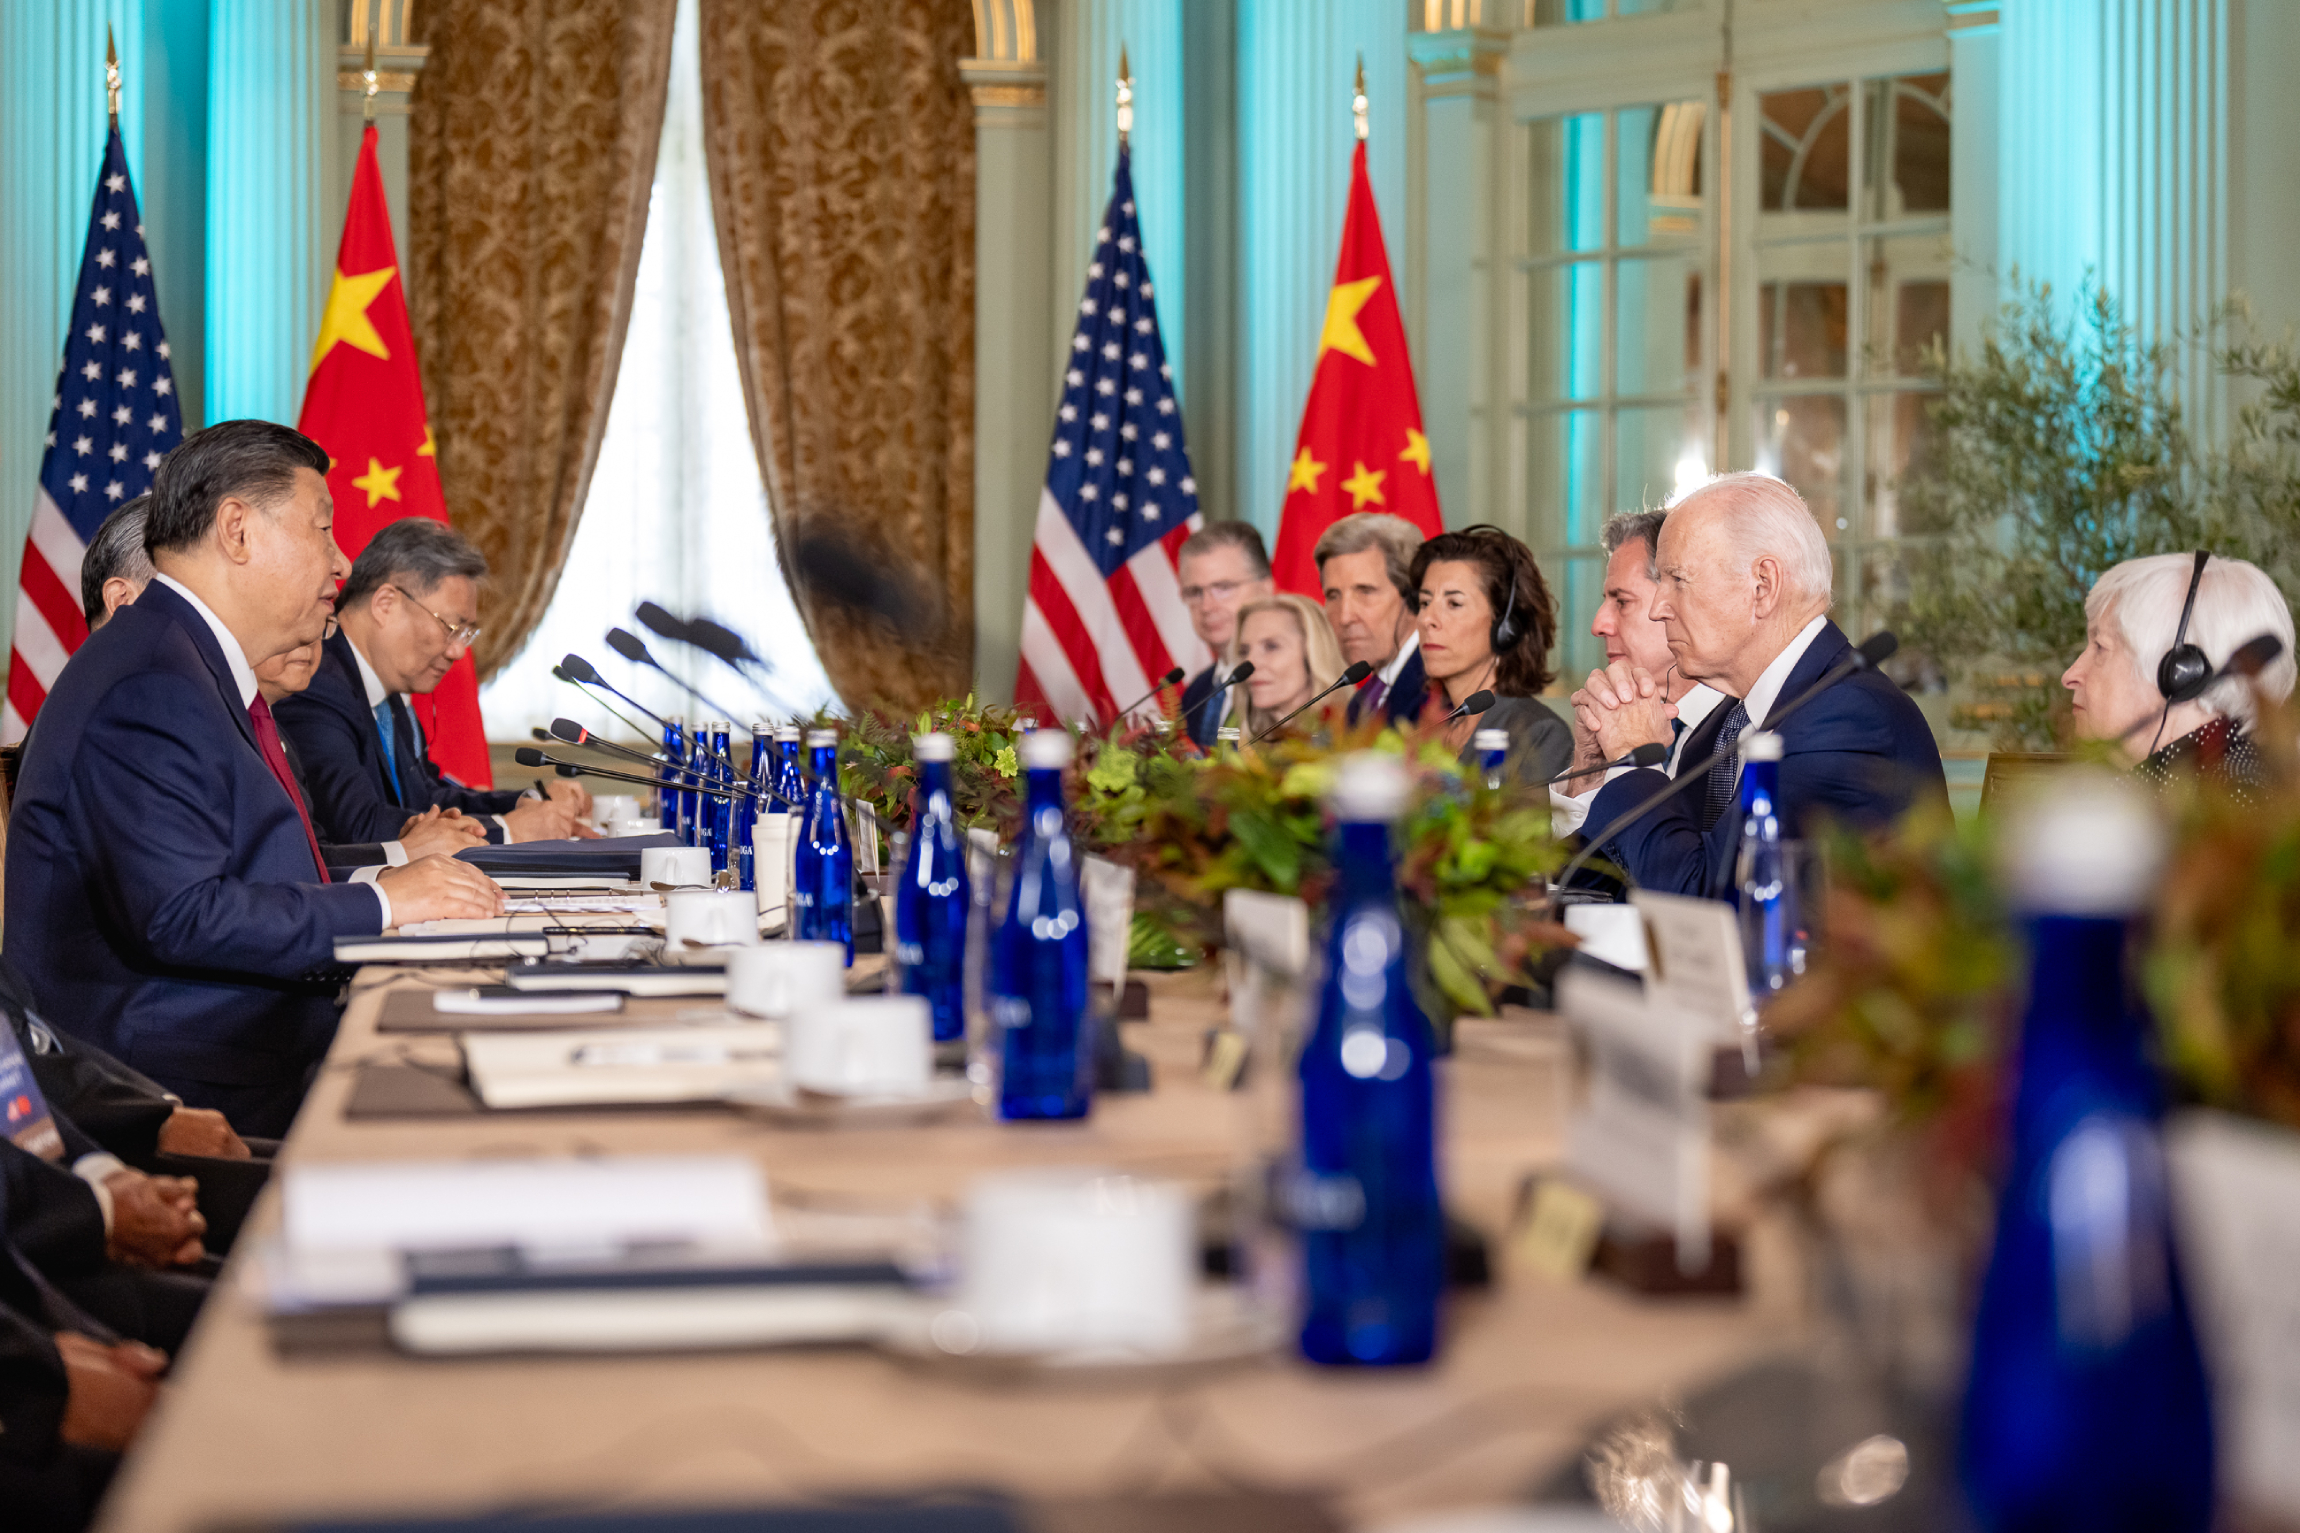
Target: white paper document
(620, 1066)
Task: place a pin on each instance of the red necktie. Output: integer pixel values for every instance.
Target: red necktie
(275, 757)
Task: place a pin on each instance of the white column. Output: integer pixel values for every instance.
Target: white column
(271, 240)
(1450, 267)
(1295, 63)
(2116, 160)
(1013, 373)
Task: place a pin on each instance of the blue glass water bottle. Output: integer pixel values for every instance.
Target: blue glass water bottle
(823, 869)
(932, 901)
(1365, 1197)
(2086, 1405)
(668, 797)
(1772, 941)
(719, 813)
(790, 782)
(747, 808)
(697, 824)
(1038, 960)
(1492, 747)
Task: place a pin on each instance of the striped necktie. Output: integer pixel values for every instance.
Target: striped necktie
(1725, 776)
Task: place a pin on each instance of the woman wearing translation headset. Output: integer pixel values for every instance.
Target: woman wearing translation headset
(1487, 624)
(2156, 633)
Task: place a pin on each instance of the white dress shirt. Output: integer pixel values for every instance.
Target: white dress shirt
(1767, 689)
(244, 677)
(393, 852)
(1406, 651)
(1568, 811)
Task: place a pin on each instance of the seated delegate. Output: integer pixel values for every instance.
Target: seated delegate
(1742, 589)
(2140, 685)
(407, 613)
(1487, 624)
(166, 900)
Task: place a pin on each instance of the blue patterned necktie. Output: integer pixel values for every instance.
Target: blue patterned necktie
(1726, 774)
(383, 727)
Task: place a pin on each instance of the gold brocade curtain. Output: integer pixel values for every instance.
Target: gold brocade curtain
(531, 154)
(840, 144)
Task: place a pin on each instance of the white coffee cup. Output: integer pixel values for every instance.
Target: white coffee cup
(612, 808)
(1063, 1258)
(633, 825)
(675, 865)
(711, 917)
(776, 979)
(870, 1045)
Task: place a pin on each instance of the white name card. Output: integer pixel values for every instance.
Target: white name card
(1641, 1138)
(1697, 962)
(1109, 893)
(1266, 954)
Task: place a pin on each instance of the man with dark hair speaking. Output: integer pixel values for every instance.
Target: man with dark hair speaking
(165, 894)
(408, 612)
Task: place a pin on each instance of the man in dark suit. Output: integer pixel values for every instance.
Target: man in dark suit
(72, 1395)
(165, 896)
(408, 612)
(1365, 563)
(1743, 587)
(1222, 566)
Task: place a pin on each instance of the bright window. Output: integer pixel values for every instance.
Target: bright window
(677, 512)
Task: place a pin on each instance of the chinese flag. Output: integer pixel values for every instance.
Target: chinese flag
(1361, 446)
(364, 404)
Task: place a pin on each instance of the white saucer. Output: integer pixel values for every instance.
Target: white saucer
(780, 1102)
(1225, 1332)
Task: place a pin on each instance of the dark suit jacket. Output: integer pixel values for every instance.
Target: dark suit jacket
(1860, 753)
(32, 1379)
(341, 752)
(161, 901)
(119, 1108)
(1404, 704)
(1540, 743)
(343, 858)
(1197, 719)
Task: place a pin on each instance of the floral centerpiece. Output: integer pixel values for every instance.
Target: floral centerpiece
(876, 766)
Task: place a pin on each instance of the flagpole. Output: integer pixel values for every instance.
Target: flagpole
(374, 25)
(1125, 98)
(112, 74)
(1358, 100)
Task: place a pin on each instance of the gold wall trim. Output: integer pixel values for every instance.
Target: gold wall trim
(385, 79)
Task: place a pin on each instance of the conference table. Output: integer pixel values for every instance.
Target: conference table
(249, 1436)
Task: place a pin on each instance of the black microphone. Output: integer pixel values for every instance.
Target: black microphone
(1244, 670)
(1867, 655)
(662, 622)
(1471, 706)
(2251, 657)
(1651, 754)
(559, 673)
(1164, 681)
(575, 734)
(581, 671)
(1358, 671)
(529, 756)
(628, 645)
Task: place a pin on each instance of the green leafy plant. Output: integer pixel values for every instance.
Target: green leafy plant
(1255, 819)
(876, 764)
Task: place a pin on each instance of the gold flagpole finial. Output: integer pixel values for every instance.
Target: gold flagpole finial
(368, 75)
(1125, 97)
(1358, 100)
(112, 74)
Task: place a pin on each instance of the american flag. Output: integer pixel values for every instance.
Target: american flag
(1105, 614)
(115, 417)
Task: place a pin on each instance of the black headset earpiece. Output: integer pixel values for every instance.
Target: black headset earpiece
(1507, 631)
(2185, 671)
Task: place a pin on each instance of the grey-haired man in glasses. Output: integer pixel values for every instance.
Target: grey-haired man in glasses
(409, 611)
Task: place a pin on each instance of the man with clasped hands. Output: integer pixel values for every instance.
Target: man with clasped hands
(1742, 589)
(165, 897)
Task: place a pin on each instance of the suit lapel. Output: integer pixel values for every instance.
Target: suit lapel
(211, 653)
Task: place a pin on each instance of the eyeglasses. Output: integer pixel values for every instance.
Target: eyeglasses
(1220, 590)
(463, 634)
